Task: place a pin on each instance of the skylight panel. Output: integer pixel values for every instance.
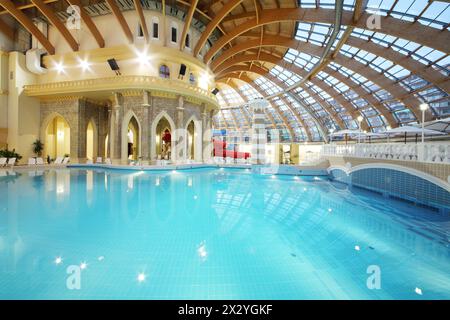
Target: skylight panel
(267, 86)
(436, 12)
(220, 99)
(379, 5)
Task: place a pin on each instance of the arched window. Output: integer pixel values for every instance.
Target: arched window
(164, 71)
(191, 78)
(155, 28)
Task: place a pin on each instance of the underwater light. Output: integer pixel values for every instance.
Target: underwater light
(418, 291)
(58, 260)
(83, 265)
(202, 251)
(141, 277)
(357, 248)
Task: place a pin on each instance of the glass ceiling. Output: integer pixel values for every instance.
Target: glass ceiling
(371, 75)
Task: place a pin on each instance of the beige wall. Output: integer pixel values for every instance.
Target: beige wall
(114, 36)
(22, 111)
(3, 98)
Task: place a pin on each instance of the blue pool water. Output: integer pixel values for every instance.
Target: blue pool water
(213, 234)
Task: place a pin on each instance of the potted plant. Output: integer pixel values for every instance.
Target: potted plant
(38, 147)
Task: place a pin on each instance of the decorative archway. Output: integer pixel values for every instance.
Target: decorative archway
(193, 132)
(160, 124)
(130, 137)
(55, 133)
(91, 140)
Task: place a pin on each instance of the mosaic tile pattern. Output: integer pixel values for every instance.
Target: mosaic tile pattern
(398, 184)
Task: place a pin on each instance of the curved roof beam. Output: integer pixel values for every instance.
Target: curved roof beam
(143, 24)
(235, 87)
(264, 57)
(187, 22)
(415, 67)
(120, 18)
(6, 30)
(58, 24)
(397, 91)
(225, 10)
(28, 25)
(265, 73)
(288, 105)
(428, 36)
(298, 118)
(89, 23)
(262, 72)
(286, 123)
(246, 79)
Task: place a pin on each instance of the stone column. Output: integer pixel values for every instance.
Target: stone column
(73, 119)
(179, 150)
(206, 135)
(146, 127)
(259, 136)
(81, 136)
(102, 128)
(115, 139)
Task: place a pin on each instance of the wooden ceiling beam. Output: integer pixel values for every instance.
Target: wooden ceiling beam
(6, 30)
(58, 24)
(187, 23)
(226, 9)
(28, 25)
(89, 23)
(120, 18)
(138, 7)
(419, 33)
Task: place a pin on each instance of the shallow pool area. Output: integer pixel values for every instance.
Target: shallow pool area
(213, 233)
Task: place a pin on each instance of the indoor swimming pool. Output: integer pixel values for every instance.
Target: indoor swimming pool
(213, 234)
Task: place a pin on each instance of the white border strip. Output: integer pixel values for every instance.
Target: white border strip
(378, 165)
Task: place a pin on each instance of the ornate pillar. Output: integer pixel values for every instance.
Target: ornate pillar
(259, 136)
(206, 134)
(82, 127)
(179, 150)
(115, 140)
(146, 127)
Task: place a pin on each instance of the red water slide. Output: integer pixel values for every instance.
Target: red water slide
(220, 150)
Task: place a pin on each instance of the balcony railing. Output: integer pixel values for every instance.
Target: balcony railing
(428, 152)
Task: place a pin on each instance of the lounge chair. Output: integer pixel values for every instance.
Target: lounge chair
(66, 160)
(58, 160)
(3, 173)
(11, 162)
(89, 161)
(108, 161)
(39, 161)
(3, 162)
(99, 160)
(31, 161)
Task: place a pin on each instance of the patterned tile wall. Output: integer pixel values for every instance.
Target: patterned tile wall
(398, 184)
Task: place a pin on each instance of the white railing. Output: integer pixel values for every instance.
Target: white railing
(428, 152)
